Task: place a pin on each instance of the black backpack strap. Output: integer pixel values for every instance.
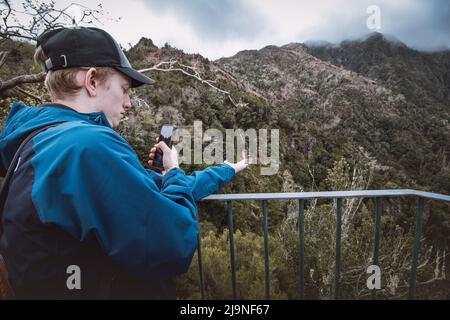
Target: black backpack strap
(12, 168)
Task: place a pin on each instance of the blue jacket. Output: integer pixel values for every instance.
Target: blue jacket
(80, 196)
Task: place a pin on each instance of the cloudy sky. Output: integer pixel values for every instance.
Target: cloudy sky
(216, 28)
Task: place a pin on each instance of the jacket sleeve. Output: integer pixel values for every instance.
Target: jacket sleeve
(106, 193)
(205, 182)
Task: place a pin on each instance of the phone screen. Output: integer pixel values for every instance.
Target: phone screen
(166, 134)
(166, 131)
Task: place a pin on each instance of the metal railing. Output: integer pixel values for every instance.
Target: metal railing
(337, 196)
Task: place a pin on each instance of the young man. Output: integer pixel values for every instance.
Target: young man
(79, 199)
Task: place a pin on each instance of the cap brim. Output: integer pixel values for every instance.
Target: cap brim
(137, 78)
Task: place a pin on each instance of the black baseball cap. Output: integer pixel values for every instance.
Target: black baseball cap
(86, 47)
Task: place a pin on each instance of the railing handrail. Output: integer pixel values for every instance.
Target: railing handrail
(329, 195)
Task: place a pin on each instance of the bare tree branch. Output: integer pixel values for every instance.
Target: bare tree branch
(20, 90)
(3, 55)
(183, 69)
(191, 71)
(28, 78)
(41, 15)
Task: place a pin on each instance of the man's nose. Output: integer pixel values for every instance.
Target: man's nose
(127, 102)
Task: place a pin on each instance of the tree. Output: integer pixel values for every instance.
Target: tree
(26, 21)
(37, 16)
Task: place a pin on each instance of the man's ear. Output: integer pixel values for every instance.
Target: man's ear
(91, 82)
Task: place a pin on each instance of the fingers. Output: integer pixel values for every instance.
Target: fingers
(245, 155)
(152, 153)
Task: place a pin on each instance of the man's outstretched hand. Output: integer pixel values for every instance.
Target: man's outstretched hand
(241, 165)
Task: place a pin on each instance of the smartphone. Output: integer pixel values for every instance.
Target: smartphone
(166, 134)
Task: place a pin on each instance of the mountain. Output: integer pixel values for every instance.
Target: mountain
(418, 75)
(367, 91)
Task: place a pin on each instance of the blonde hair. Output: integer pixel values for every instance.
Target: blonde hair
(63, 83)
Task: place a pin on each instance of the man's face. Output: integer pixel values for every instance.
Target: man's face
(113, 98)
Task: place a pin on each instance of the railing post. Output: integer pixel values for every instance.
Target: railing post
(266, 250)
(301, 234)
(231, 236)
(200, 266)
(338, 247)
(376, 243)
(419, 220)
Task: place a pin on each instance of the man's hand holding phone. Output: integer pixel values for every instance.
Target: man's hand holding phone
(170, 156)
(163, 156)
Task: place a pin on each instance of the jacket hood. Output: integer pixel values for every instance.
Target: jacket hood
(23, 119)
